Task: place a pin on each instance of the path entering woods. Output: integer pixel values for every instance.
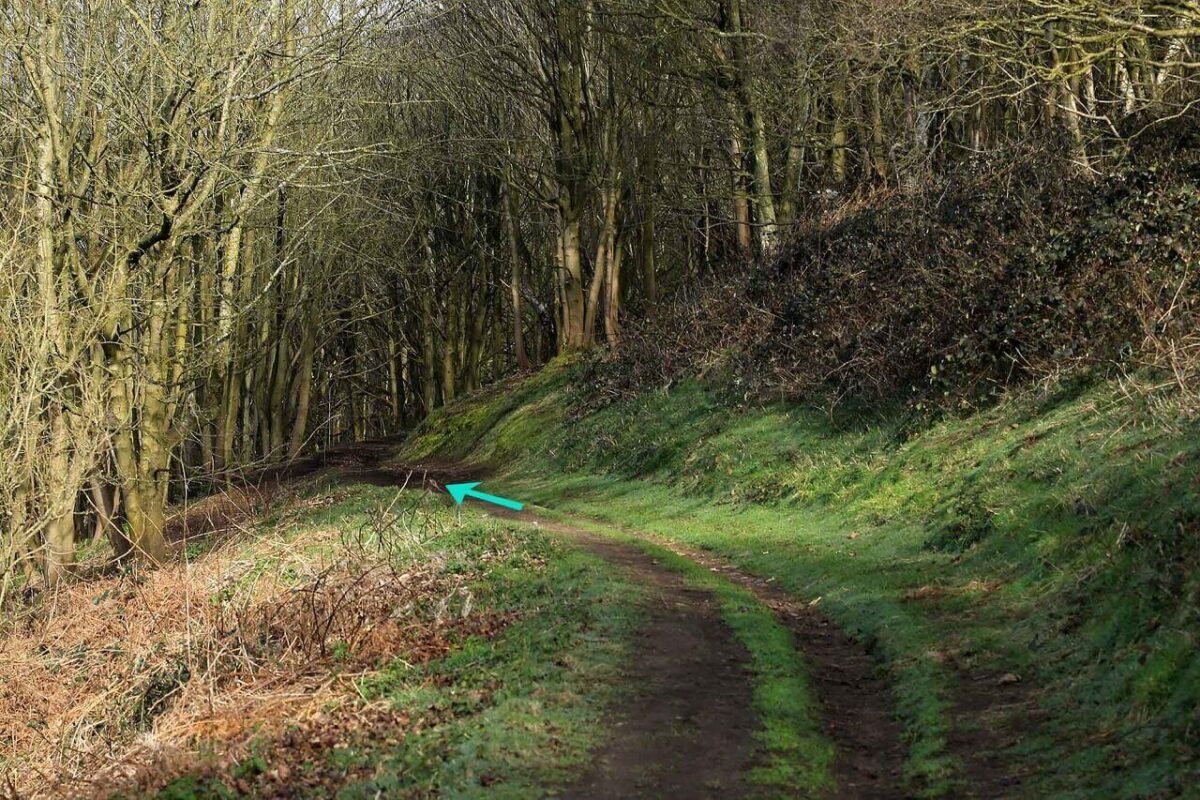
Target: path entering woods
(686, 728)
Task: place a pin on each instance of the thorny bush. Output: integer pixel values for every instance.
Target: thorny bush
(1000, 274)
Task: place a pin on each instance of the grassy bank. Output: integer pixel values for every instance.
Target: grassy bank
(509, 711)
(1052, 537)
(516, 715)
(519, 712)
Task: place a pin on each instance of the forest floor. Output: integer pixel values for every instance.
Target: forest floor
(329, 629)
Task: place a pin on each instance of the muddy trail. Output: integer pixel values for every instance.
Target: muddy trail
(687, 728)
(989, 715)
(252, 493)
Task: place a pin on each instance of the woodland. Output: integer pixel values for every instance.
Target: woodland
(237, 236)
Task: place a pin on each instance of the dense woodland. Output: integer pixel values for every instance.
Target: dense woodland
(233, 233)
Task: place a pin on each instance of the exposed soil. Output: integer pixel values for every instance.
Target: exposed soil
(687, 728)
(990, 710)
(855, 701)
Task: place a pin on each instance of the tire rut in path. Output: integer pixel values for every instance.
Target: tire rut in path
(687, 728)
(856, 704)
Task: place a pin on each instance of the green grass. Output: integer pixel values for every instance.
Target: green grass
(1054, 535)
(526, 707)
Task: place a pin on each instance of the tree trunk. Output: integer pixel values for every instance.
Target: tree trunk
(839, 140)
(511, 233)
(574, 331)
(610, 196)
(449, 386)
(755, 128)
(302, 392)
(741, 198)
(428, 353)
(612, 308)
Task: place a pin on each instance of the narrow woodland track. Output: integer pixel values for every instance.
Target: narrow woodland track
(855, 702)
(988, 714)
(687, 729)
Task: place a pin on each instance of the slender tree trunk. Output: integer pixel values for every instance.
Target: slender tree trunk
(449, 386)
(612, 308)
(512, 234)
(428, 353)
(752, 119)
(574, 331)
(741, 199)
(649, 258)
(302, 392)
(60, 527)
(794, 164)
(476, 337)
(1064, 104)
(840, 138)
(610, 197)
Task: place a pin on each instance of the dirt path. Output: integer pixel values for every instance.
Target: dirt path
(855, 702)
(989, 714)
(687, 728)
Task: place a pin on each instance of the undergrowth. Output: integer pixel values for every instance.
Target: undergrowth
(508, 714)
(998, 273)
(357, 642)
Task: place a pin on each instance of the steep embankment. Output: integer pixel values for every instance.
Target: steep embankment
(1024, 574)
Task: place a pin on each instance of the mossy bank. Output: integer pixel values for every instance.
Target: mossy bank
(1049, 540)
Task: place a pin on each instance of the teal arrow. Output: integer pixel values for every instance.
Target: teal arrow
(461, 491)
